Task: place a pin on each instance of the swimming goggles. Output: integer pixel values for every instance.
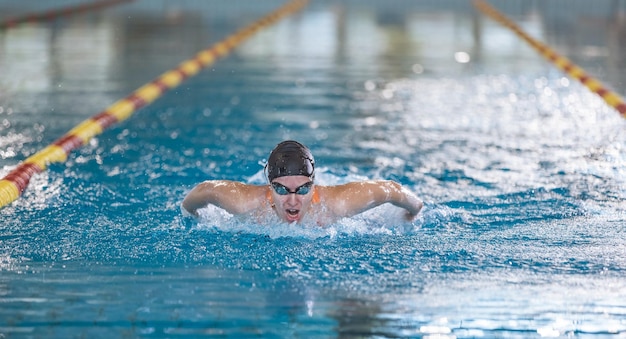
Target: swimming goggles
(283, 190)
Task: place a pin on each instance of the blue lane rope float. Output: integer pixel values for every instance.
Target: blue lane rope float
(55, 13)
(611, 98)
(14, 183)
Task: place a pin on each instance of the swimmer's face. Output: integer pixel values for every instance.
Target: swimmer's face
(292, 206)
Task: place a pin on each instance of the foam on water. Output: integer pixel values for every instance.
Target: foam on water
(385, 219)
(380, 220)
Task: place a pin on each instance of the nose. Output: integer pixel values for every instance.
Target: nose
(291, 198)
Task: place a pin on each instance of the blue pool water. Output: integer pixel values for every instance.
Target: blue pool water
(522, 171)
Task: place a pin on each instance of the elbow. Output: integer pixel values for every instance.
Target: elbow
(188, 209)
(195, 199)
(412, 203)
(419, 206)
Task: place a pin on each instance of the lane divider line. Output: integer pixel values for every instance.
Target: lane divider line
(55, 13)
(14, 183)
(611, 98)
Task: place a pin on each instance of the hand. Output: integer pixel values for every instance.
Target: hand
(410, 216)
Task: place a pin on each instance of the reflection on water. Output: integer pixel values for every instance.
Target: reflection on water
(92, 45)
(26, 59)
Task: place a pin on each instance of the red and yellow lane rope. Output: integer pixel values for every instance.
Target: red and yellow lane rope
(14, 183)
(611, 98)
(55, 13)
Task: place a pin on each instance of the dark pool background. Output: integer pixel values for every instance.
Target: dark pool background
(521, 169)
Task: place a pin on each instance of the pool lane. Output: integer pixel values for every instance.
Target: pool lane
(59, 12)
(14, 183)
(611, 98)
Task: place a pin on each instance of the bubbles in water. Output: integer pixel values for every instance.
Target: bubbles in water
(417, 69)
(462, 57)
(385, 219)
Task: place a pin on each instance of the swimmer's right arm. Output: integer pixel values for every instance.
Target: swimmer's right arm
(232, 196)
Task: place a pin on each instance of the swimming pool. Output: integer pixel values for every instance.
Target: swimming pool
(521, 170)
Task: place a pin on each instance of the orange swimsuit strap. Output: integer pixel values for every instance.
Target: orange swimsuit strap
(315, 200)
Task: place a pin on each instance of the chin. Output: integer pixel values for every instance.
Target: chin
(291, 219)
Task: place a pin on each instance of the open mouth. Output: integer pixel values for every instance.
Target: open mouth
(292, 214)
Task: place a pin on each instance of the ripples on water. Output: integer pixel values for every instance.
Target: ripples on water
(522, 233)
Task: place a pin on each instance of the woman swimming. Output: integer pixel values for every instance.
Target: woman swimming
(293, 196)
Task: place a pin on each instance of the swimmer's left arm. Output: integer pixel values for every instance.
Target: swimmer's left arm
(354, 198)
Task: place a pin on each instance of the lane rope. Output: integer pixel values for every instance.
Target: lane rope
(14, 183)
(55, 13)
(611, 98)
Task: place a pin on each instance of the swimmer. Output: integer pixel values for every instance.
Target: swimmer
(293, 196)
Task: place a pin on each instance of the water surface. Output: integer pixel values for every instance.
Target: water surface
(521, 169)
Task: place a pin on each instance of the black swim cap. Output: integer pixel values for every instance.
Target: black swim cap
(290, 158)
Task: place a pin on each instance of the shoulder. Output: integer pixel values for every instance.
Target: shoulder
(338, 198)
(338, 191)
(243, 190)
(233, 196)
(355, 197)
(356, 187)
(229, 185)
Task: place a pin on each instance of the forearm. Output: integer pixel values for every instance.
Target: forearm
(404, 198)
(411, 203)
